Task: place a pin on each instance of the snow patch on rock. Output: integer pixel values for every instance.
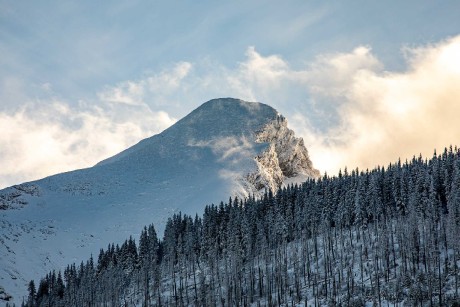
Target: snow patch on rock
(284, 160)
(17, 196)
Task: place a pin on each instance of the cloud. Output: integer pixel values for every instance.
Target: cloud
(258, 76)
(233, 150)
(168, 81)
(49, 135)
(329, 75)
(154, 87)
(347, 107)
(56, 137)
(129, 93)
(386, 115)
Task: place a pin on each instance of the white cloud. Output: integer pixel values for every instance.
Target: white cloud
(329, 75)
(387, 115)
(129, 93)
(155, 88)
(230, 149)
(169, 80)
(350, 111)
(56, 138)
(48, 136)
(258, 75)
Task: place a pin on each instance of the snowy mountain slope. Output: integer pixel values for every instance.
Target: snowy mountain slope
(225, 147)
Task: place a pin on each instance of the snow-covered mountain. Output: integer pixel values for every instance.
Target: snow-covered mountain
(226, 147)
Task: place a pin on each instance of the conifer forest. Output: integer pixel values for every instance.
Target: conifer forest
(386, 237)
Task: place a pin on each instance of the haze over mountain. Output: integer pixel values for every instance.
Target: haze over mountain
(226, 147)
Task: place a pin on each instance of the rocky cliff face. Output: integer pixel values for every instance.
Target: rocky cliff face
(285, 157)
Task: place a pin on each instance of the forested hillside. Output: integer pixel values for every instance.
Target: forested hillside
(388, 236)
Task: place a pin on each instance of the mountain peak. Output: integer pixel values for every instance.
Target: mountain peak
(214, 119)
(226, 116)
(235, 104)
(226, 147)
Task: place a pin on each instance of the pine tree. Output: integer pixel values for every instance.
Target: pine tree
(32, 293)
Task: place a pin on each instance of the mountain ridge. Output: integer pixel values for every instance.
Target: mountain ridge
(206, 115)
(225, 147)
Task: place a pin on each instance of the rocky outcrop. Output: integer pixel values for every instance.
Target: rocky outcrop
(15, 197)
(285, 157)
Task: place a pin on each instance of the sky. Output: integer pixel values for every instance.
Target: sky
(363, 82)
